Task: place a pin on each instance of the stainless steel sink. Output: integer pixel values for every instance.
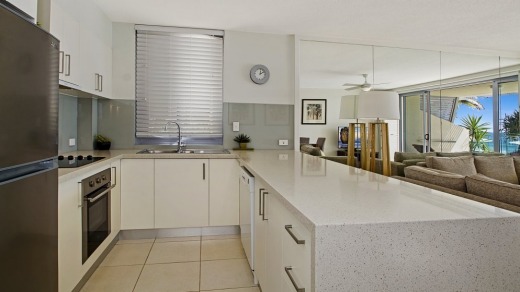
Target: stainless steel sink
(185, 151)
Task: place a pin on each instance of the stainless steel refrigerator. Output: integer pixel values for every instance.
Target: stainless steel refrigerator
(28, 152)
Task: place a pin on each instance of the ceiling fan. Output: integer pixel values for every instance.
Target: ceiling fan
(365, 86)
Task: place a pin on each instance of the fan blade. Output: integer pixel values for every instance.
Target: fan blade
(352, 88)
(381, 83)
(350, 84)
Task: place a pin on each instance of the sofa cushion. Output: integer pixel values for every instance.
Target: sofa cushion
(437, 177)
(410, 162)
(309, 149)
(516, 163)
(487, 187)
(453, 154)
(402, 156)
(488, 154)
(463, 165)
(497, 167)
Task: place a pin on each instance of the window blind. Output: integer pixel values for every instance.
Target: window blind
(178, 78)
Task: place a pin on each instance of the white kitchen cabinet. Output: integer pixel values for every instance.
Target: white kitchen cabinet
(260, 236)
(137, 194)
(115, 197)
(65, 26)
(123, 60)
(96, 45)
(223, 192)
(181, 193)
(275, 248)
(28, 6)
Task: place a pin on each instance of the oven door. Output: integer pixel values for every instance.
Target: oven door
(96, 219)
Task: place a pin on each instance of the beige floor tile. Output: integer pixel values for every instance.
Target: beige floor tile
(227, 236)
(222, 249)
(169, 277)
(183, 238)
(113, 279)
(171, 252)
(250, 289)
(127, 254)
(129, 241)
(222, 274)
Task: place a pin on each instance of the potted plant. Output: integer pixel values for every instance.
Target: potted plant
(242, 140)
(101, 142)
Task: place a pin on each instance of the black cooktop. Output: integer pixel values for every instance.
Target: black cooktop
(76, 161)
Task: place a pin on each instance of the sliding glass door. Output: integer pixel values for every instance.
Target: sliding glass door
(416, 127)
(508, 116)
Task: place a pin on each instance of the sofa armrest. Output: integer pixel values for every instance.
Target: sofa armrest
(397, 168)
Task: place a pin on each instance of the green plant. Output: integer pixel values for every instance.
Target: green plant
(477, 132)
(242, 138)
(101, 139)
(512, 124)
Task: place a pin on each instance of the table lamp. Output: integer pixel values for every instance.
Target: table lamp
(378, 105)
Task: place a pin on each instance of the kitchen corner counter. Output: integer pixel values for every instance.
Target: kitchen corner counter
(65, 174)
(375, 233)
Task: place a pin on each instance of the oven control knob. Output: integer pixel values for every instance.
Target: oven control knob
(104, 177)
(98, 180)
(91, 183)
(61, 157)
(70, 157)
(80, 157)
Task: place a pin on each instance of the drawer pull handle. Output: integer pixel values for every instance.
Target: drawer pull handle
(260, 201)
(289, 230)
(288, 271)
(263, 206)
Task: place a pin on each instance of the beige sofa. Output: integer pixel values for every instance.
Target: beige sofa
(492, 180)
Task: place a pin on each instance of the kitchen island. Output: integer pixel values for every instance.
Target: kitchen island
(373, 233)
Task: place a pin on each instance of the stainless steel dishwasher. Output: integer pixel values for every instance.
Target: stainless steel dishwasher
(247, 223)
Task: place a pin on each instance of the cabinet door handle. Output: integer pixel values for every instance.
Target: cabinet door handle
(67, 56)
(100, 82)
(204, 171)
(96, 83)
(61, 62)
(289, 229)
(288, 272)
(260, 201)
(115, 176)
(263, 206)
(80, 196)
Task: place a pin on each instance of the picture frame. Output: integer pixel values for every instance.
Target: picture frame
(314, 111)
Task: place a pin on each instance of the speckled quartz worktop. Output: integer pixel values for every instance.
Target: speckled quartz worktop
(374, 233)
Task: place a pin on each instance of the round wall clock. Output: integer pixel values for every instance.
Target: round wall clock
(259, 74)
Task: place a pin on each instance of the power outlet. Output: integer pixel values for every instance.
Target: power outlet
(72, 142)
(283, 142)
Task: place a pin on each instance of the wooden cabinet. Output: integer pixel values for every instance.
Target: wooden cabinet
(137, 194)
(223, 192)
(65, 26)
(181, 193)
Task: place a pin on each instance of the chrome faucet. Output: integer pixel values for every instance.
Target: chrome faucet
(178, 130)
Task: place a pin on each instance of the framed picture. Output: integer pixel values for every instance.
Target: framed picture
(314, 111)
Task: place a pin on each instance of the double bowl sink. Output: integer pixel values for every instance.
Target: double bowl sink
(184, 151)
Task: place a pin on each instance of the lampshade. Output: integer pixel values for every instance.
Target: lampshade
(348, 108)
(378, 105)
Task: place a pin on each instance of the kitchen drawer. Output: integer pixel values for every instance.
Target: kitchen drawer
(297, 256)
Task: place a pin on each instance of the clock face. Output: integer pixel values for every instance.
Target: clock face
(259, 74)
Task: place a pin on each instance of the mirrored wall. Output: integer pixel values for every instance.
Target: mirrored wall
(450, 101)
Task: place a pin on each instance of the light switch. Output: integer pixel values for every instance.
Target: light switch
(236, 126)
(72, 142)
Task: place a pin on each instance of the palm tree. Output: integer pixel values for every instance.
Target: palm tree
(477, 132)
(470, 101)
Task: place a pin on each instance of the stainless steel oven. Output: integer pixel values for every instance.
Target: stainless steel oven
(95, 210)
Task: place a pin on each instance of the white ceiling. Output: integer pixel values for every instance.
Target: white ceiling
(475, 24)
(486, 27)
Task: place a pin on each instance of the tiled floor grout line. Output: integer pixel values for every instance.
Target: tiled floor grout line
(144, 264)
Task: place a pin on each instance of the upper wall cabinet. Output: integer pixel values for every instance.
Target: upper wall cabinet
(65, 26)
(85, 35)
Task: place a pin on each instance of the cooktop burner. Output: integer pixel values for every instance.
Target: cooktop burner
(76, 161)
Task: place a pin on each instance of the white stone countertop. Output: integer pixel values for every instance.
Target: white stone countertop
(323, 192)
(65, 174)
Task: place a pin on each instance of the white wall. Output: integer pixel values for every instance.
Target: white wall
(242, 51)
(123, 60)
(329, 130)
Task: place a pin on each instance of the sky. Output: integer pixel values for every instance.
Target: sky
(509, 103)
